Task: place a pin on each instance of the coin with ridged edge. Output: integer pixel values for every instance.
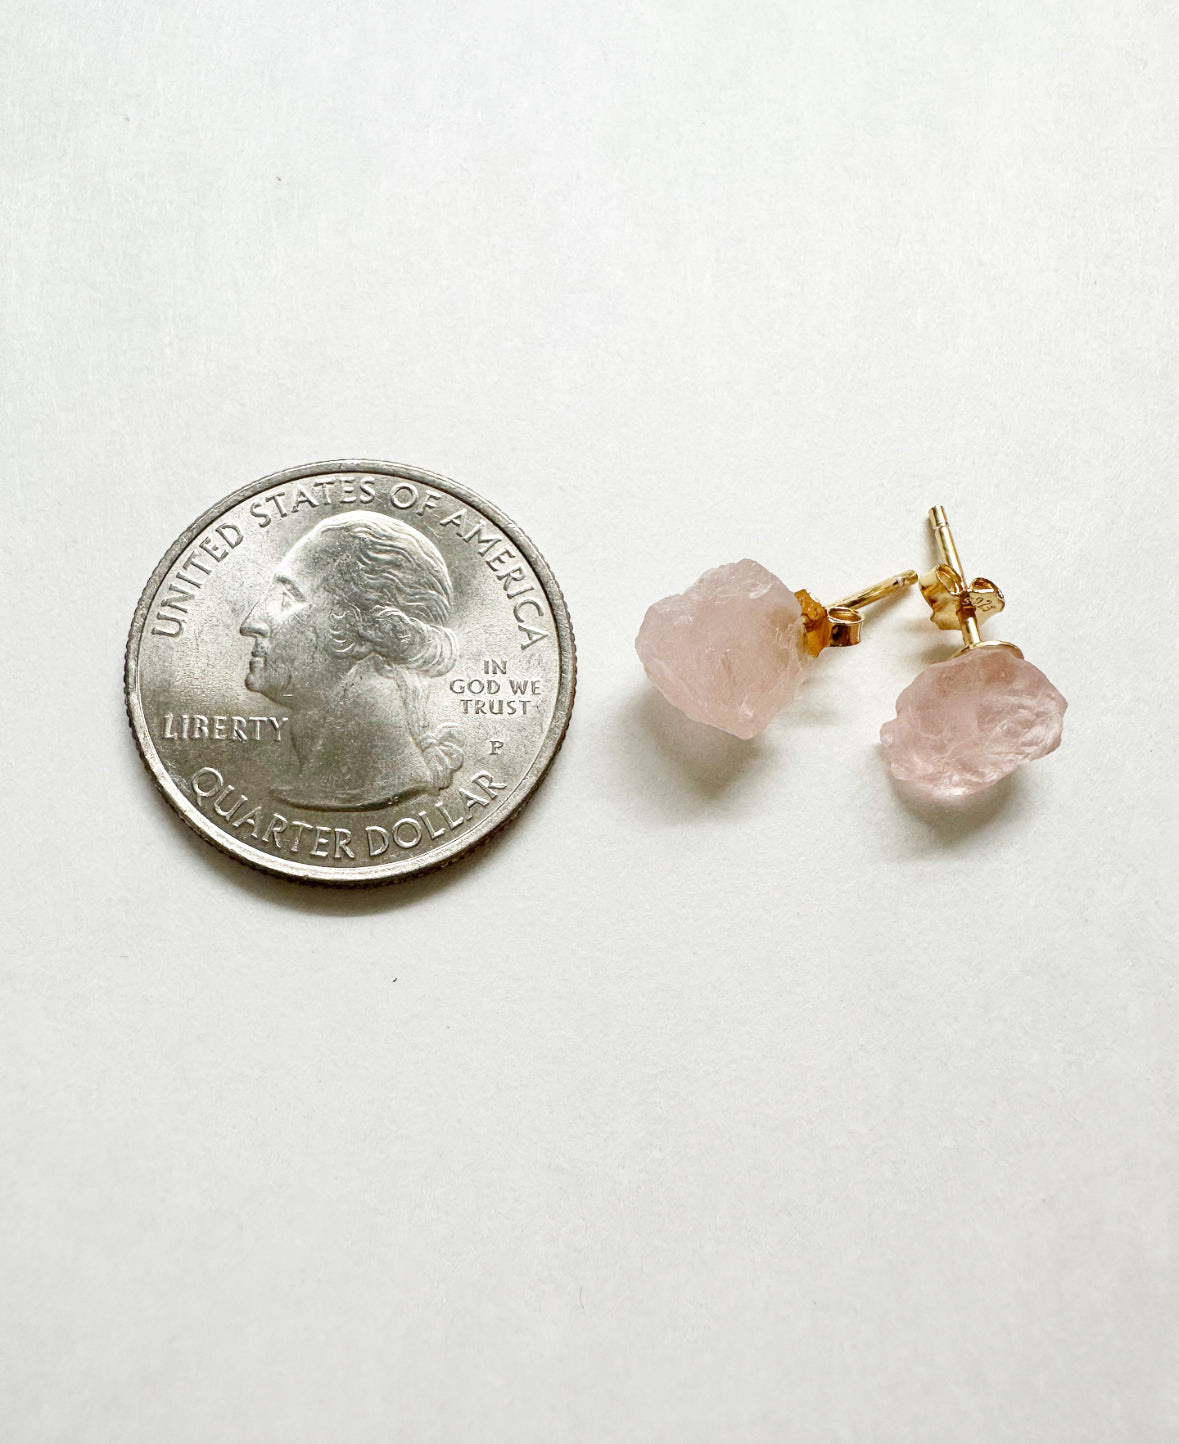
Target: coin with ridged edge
(350, 672)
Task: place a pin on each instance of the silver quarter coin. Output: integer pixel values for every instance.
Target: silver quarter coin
(350, 672)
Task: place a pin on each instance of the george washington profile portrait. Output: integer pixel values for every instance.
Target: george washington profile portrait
(346, 638)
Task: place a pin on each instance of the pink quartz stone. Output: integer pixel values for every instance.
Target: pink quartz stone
(730, 650)
(966, 722)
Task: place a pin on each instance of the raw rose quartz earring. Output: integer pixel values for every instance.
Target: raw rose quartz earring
(735, 648)
(970, 720)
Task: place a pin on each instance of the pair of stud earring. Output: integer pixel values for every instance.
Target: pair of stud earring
(735, 648)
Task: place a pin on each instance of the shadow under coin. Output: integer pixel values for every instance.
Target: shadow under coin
(683, 763)
(957, 819)
(324, 898)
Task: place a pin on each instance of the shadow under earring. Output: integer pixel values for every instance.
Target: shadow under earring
(968, 721)
(734, 649)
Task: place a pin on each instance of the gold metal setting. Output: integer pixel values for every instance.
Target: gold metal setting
(955, 603)
(841, 624)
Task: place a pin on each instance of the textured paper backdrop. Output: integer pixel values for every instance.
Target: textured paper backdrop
(724, 1098)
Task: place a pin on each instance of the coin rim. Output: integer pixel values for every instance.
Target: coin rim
(408, 867)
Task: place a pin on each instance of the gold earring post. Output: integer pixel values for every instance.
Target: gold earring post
(840, 624)
(944, 538)
(956, 604)
(879, 592)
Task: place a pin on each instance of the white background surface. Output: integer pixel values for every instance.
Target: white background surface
(725, 1098)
